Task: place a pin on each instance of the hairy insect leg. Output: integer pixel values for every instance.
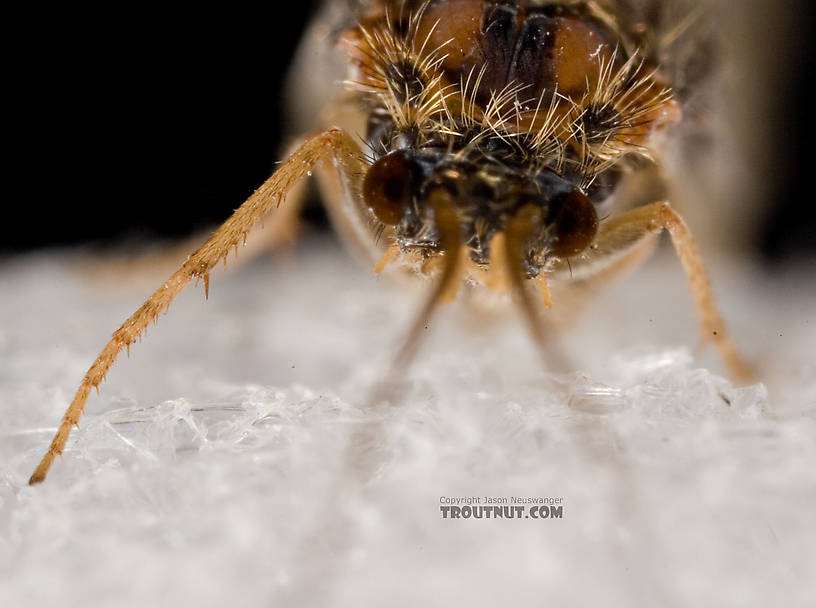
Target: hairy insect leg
(621, 236)
(229, 235)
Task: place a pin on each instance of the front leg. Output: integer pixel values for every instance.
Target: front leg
(229, 235)
(623, 235)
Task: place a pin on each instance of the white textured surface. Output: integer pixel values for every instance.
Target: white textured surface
(214, 468)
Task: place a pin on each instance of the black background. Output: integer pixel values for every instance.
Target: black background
(145, 123)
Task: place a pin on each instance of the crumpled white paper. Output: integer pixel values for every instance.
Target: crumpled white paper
(233, 458)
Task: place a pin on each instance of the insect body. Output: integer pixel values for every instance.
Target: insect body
(496, 135)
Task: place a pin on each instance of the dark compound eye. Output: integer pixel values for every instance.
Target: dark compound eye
(574, 223)
(387, 187)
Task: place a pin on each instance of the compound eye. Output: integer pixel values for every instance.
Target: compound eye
(574, 224)
(387, 187)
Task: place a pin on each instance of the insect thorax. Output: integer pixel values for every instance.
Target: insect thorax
(504, 105)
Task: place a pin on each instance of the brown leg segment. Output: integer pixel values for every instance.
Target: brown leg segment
(653, 218)
(228, 236)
